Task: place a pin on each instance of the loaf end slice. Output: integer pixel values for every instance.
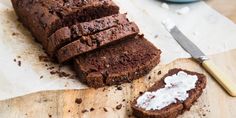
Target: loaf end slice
(174, 109)
(119, 63)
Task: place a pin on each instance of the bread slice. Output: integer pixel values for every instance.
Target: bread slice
(91, 42)
(174, 109)
(66, 35)
(118, 63)
(43, 17)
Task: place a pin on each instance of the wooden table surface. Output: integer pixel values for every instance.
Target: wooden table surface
(225, 7)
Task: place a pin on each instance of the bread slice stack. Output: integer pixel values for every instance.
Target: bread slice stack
(104, 45)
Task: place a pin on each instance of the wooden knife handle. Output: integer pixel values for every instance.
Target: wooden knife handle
(222, 78)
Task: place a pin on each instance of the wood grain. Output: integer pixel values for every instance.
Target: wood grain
(214, 103)
(225, 7)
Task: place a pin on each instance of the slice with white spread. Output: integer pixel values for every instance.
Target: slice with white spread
(171, 96)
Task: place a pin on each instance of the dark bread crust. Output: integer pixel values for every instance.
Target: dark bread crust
(66, 35)
(43, 17)
(117, 64)
(91, 42)
(175, 109)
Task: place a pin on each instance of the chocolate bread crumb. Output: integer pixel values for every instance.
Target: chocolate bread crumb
(105, 109)
(92, 109)
(19, 63)
(41, 77)
(84, 111)
(140, 93)
(44, 58)
(118, 107)
(159, 72)
(156, 36)
(78, 100)
(118, 87)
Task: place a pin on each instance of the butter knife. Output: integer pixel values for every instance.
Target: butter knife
(222, 78)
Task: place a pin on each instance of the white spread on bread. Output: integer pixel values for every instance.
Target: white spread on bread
(176, 87)
(168, 24)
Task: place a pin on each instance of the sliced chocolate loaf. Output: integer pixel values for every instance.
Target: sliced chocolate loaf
(91, 42)
(43, 17)
(118, 63)
(171, 96)
(66, 35)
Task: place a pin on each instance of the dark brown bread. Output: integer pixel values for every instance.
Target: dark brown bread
(175, 109)
(91, 42)
(118, 63)
(43, 17)
(66, 35)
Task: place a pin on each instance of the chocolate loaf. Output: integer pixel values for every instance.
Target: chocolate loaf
(174, 109)
(103, 44)
(88, 43)
(66, 35)
(43, 17)
(117, 63)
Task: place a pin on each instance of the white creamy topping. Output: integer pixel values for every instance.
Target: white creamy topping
(165, 6)
(168, 24)
(183, 10)
(176, 87)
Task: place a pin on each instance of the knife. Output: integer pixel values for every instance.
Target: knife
(221, 77)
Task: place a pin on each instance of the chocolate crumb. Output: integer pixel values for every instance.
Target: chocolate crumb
(68, 110)
(78, 100)
(123, 100)
(53, 72)
(149, 77)
(203, 114)
(119, 88)
(105, 109)
(92, 109)
(63, 74)
(18, 57)
(118, 107)
(14, 60)
(156, 36)
(41, 77)
(159, 72)
(19, 63)
(140, 93)
(50, 68)
(49, 115)
(85, 110)
(44, 58)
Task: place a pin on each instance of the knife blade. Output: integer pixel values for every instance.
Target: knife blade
(222, 78)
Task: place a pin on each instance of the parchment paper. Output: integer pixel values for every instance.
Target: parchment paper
(212, 32)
